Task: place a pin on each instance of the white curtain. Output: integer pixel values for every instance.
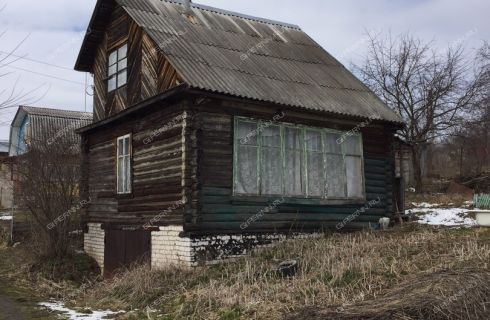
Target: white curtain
(247, 158)
(293, 154)
(353, 164)
(315, 163)
(271, 163)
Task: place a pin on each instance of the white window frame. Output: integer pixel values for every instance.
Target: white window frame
(304, 162)
(119, 68)
(126, 180)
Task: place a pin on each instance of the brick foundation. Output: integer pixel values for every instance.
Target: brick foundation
(94, 242)
(169, 248)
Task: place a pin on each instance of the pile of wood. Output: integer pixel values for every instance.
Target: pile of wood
(480, 183)
(448, 294)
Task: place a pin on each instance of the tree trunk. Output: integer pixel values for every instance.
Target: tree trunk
(417, 167)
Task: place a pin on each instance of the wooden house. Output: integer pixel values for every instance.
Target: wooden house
(33, 126)
(6, 192)
(216, 132)
(37, 127)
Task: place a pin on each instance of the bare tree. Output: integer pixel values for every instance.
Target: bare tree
(49, 188)
(13, 96)
(433, 92)
(474, 136)
(484, 56)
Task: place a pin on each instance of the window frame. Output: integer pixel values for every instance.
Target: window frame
(304, 161)
(361, 156)
(118, 71)
(130, 171)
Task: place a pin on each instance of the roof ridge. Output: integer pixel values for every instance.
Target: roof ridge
(237, 14)
(53, 109)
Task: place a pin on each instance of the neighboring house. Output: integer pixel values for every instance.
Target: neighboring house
(6, 191)
(33, 126)
(216, 132)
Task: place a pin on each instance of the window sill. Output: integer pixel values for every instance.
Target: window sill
(124, 196)
(295, 201)
(117, 89)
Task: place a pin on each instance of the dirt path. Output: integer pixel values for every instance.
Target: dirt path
(17, 303)
(9, 309)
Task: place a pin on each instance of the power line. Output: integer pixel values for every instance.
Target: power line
(36, 61)
(44, 75)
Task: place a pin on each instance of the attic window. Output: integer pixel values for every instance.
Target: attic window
(117, 70)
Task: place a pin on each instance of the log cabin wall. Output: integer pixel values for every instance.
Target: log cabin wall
(149, 72)
(220, 212)
(157, 162)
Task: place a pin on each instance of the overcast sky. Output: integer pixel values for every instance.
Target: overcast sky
(53, 31)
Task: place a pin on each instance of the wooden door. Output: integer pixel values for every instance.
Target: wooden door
(122, 248)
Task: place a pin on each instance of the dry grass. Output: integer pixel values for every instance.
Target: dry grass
(335, 270)
(46, 279)
(445, 200)
(460, 293)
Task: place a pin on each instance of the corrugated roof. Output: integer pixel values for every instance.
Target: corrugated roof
(48, 125)
(49, 112)
(235, 54)
(254, 58)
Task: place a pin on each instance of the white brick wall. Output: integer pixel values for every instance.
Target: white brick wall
(168, 248)
(93, 243)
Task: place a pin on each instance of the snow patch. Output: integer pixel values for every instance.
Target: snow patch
(425, 205)
(75, 315)
(450, 217)
(6, 217)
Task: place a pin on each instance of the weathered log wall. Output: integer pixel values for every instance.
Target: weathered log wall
(220, 211)
(157, 164)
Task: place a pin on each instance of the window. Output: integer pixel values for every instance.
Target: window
(246, 179)
(117, 71)
(293, 169)
(23, 138)
(124, 164)
(271, 177)
(297, 161)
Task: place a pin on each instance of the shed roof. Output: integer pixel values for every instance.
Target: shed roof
(243, 56)
(46, 124)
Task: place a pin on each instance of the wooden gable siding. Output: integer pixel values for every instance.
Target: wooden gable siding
(149, 67)
(108, 103)
(157, 170)
(117, 35)
(134, 64)
(218, 210)
(149, 72)
(99, 71)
